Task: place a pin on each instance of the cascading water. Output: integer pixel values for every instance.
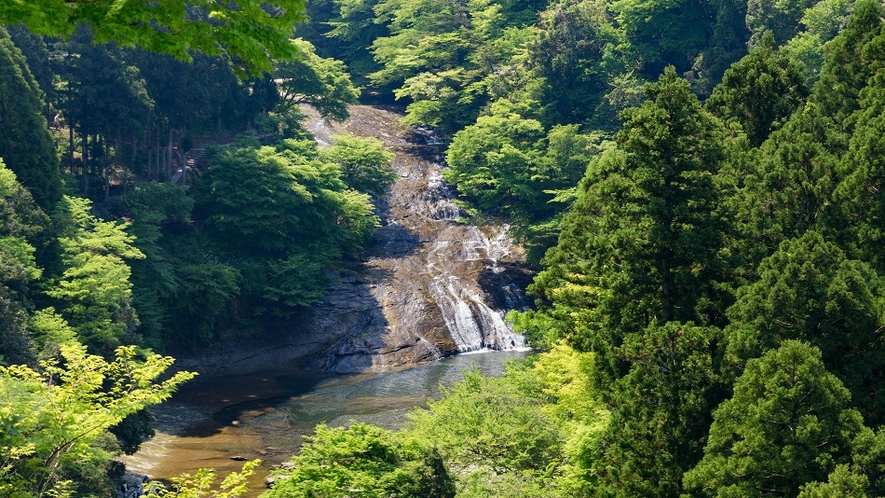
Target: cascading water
(430, 286)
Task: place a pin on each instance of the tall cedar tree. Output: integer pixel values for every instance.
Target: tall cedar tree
(641, 243)
(761, 91)
(25, 144)
(809, 290)
(787, 424)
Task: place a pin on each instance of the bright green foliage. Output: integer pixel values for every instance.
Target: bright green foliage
(282, 216)
(25, 144)
(506, 164)
(488, 423)
(786, 424)
(94, 292)
(841, 482)
(660, 410)
(365, 165)
(364, 461)
(55, 421)
(446, 54)
(761, 91)
(640, 244)
(495, 162)
(491, 434)
(320, 83)
(201, 483)
(822, 22)
(248, 32)
(270, 200)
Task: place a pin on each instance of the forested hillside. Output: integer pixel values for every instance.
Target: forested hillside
(699, 184)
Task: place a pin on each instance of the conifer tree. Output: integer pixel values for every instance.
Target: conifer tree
(25, 143)
(640, 244)
(761, 91)
(786, 424)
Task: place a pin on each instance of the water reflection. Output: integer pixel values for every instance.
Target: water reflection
(214, 420)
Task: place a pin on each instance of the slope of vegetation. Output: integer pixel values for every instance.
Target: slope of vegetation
(700, 184)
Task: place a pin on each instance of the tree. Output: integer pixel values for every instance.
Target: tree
(25, 144)
(860, 196)
(320, 83)
(94, 292)
(492, 435)
(782, 19)
(21, 225)
(787, 424)
(364, 461)
(55, 420)
(848, 65)
(665, 33)
(574, 49)
(810, 291)
(761, 91)
(201, 484)
(248, 32)
(660, 410)
(365, 165)
(283, 216)
(640, 244)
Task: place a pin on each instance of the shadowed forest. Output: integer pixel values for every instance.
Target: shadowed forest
(700, 185)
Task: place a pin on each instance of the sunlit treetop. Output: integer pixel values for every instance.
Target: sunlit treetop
(249, 32)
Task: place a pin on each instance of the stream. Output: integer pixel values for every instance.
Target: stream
(265, 415)
(425, 301)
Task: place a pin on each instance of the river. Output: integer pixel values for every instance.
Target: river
(215, 421)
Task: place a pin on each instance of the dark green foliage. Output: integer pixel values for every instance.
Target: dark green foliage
(790, 185)
(787, 423)
(641, 243)
(808, 290)
(575, 50)
(25, 144)
(848, 65)
(861, 194)
(21, 225)
(782, 19)
(660, 410)
(760, 91)
(365, 461)
(665, 33)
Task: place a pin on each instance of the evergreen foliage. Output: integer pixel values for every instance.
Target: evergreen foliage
(25, 144)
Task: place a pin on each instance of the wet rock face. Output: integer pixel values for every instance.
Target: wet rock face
(428, 287)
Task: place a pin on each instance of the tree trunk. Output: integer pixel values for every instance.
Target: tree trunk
(169, 168)
(106, 169)
(149, 150)
(85, 169)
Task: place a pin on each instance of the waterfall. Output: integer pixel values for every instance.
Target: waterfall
(430, 285)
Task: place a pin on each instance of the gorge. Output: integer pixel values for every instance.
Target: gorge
(429, 287)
